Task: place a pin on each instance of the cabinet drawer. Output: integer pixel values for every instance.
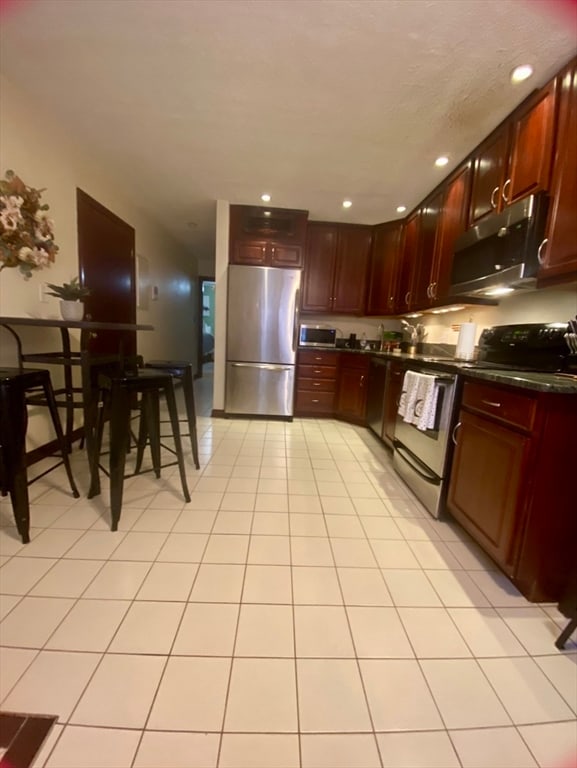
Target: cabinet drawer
(314, 402)
(316, 385)
(317, 372)
(510, 407)
(352, 360)
(308, 357)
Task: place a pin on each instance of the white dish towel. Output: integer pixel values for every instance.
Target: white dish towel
(418, 402)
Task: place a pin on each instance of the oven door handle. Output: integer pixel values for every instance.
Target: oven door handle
(440, 378)
(409, 459)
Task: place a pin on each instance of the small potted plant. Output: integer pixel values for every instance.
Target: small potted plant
(71, 296)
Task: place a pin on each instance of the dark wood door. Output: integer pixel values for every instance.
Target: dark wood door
(250, 253)
(430, 217)
(489, 174)
(385, 258)
(453, 223)
(352, 393)
(531, 146)
(286, 256)
(319, 268)
(107, 267)
(405, 298)
(485, 487)
(393, 388)
(559, 253)
(353, 252)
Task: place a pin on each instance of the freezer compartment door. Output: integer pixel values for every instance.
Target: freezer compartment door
(259, 389)
(262, 314)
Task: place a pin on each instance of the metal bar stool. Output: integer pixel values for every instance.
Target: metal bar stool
(116, 397)
(183, 371)
(15, 383)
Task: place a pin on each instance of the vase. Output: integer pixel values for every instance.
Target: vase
(72, 310)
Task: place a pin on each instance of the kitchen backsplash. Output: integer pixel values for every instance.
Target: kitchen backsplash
(544, 306)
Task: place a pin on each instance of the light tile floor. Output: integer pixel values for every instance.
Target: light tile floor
(302, 610)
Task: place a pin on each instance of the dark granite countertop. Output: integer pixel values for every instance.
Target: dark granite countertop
(553, 383)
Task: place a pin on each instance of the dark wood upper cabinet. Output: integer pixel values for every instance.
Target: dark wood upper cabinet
(532, 135)
(515, 160)
(319, 268)
(489, 167)
(353, 252)
(385, 257)
(272, 237)
(408, 264)
(559, 252)
(430, 216)
(452, 223)
(336, 265)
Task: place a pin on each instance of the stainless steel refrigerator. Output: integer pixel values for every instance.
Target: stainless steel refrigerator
(261, 341)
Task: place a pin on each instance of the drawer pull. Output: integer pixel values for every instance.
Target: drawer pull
(315, 401)
(493, 405)
(318, 359)
(317, 371)
(316, 383)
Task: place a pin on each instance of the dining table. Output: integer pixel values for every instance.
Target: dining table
(86, 396)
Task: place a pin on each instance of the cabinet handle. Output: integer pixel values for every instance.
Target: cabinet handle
(317, 371)
(540, 258)
(407, 297)
(362, 380)
(263, 249)
(434, 290)
(504, 193)
(273, 250)
(316, 383)
(493, 193)
(429, 290)
(493, 405)
(397, 373)
(454, 435)
(314, 401)
(318, 359)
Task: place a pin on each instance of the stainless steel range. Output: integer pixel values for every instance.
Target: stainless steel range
(431, 396)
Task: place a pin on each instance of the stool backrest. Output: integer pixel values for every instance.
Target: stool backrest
(10, 348)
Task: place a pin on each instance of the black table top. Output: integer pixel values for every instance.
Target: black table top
(45, 322)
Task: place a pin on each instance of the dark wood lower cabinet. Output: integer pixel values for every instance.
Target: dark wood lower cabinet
(485, 492)
(512, 482)
(352, 391)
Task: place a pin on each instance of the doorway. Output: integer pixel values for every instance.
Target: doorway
(107, 267)
(206, 286)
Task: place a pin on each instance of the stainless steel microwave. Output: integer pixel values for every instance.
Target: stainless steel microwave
(317, 336)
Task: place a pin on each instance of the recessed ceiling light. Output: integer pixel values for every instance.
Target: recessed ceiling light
(401, 208)
(265, 198)
(347, 203)
(441, 161)
(521, 73)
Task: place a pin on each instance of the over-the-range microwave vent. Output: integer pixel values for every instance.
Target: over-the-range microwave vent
(502, 251)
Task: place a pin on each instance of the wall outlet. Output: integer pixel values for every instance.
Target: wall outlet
(154, 293)
(42, 293)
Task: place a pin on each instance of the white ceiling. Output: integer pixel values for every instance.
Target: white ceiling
(311, 100)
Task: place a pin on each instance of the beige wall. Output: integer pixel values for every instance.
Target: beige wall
(40, 151)
(220, 277)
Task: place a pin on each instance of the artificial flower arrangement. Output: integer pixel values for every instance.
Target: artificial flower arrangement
(26, 231)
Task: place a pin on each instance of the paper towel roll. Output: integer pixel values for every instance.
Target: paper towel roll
(466, 342)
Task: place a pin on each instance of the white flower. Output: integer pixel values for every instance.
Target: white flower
(12, 204)
(9, 220)
(42, 216)
(26, 254)
(41, 235)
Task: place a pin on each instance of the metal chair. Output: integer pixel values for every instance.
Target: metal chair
(117, 395)
(15, 384)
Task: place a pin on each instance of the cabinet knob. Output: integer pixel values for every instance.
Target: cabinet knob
(493, 405)
(434, 290)
(504, 192)
(540, 258)
(493, 193)
(407, 297)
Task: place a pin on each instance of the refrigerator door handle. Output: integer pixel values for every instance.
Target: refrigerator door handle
(263, 366)
(296, 319)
